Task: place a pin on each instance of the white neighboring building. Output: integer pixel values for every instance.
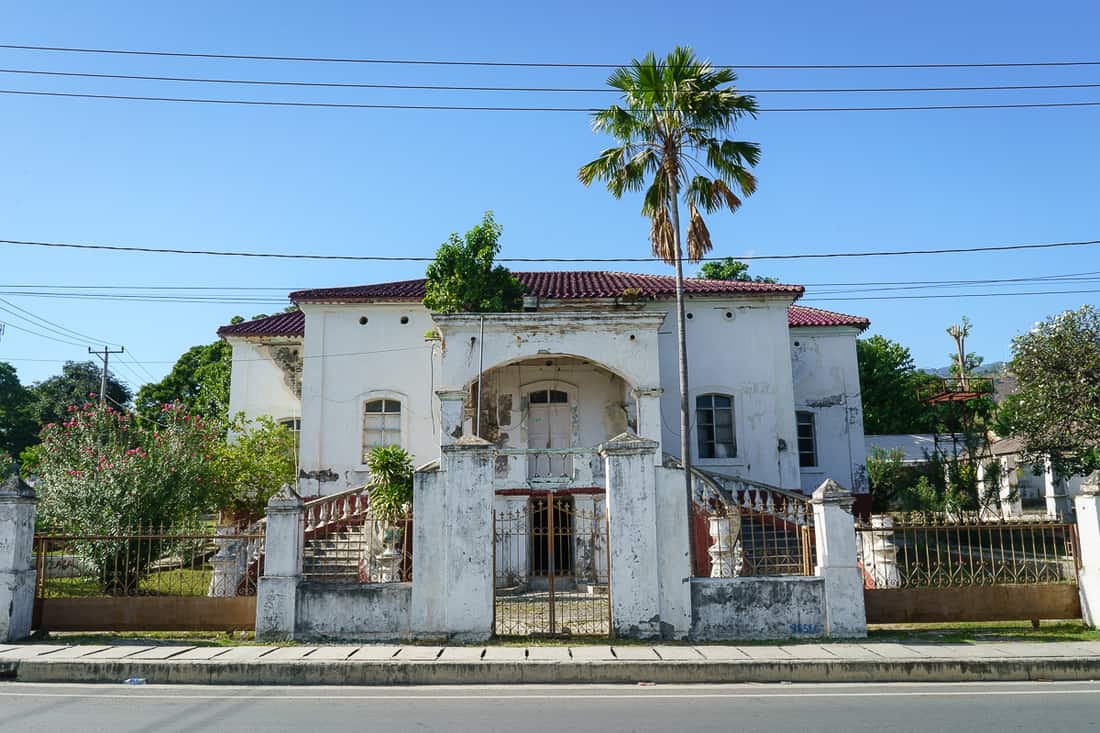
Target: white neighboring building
(774, 386)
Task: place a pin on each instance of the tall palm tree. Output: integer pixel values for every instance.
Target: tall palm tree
(670, 126)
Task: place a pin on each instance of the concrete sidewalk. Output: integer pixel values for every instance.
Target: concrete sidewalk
(426, 665)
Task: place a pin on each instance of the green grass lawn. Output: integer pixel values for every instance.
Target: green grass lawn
(175, 582)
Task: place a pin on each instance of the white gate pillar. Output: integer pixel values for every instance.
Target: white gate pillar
(1087, 504)
(452, 588)
(277, 595)
(632, 536)
(17, 507)
(452, 402)
(838, 562)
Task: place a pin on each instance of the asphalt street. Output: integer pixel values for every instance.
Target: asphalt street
(1004, 706)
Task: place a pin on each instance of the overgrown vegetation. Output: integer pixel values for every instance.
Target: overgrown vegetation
(464, 279)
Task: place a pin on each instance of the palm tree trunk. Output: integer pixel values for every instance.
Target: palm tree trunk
(681, 336)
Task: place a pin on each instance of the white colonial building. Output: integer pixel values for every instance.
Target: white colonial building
(774, 385)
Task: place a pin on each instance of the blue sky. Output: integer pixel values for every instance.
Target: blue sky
(387, 182)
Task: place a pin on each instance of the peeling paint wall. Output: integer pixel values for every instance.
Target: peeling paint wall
(740, 347)
(371, 612)
(757, 608)
(826, 383)
(258, 384)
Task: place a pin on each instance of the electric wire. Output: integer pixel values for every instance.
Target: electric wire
(522, 64)
(526, 89)
(484, 108)
(55, 327)
(410, 258)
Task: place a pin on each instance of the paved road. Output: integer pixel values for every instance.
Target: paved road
(971, 707)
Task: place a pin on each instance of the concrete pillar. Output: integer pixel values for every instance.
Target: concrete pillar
(880, 556)
(837, 561)
(648, 401)
(1087, 504)
(277, 596)
(17, 506)
(632, 511)
(452, 590)
(452, 403)
(1054, 491)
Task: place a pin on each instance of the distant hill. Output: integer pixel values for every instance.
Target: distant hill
(993, 368)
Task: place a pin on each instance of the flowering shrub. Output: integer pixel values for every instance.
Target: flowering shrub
(252, 464)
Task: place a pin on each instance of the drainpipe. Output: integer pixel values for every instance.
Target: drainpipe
(480, 367)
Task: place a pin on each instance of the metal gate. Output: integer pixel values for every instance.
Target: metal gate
(196, 578)
(552, 567)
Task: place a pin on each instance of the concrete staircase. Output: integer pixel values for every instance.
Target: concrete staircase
(334, 557)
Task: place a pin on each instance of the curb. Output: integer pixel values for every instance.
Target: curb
(384, 673)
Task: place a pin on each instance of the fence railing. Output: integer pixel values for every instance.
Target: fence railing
(750, 529)
(347, 542)
(543, 467)
(189, 561)
(938, 550)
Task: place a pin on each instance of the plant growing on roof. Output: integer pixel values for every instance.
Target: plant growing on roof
(391, 482)
(671, 128)
(463, 278)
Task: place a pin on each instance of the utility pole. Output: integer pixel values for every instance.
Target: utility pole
(105, 356)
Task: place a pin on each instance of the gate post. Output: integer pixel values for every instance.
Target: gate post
(277, 594)
(17, 507)
(837, 561)
(1087, 504)
(452, 589)
(632, 536)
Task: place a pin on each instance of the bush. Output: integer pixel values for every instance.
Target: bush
(391, 482)
(252, 464)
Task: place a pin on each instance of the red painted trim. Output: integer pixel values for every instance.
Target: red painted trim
(560, 492)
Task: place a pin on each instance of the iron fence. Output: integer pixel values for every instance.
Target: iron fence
(937, 550)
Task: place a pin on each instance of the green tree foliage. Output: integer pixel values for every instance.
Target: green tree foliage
(1056, 412)
(731, 269)
(890, 383)
(77, 383)
(391, 482)
(463, 278)
(670, 128)
(18, 428)
(199, 380)
(252, 464)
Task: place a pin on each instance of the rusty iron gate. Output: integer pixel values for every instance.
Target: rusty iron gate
(552, 567)
(926, 567)
(196, 578)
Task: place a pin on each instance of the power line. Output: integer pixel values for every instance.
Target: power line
(481, 108)
(52, 326)
(816, 299)
(410, 258)
(522, 64)
(525, 89)
(42, 335)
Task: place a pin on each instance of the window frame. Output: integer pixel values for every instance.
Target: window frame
(402, 422)
(798, 425)
(712, 425)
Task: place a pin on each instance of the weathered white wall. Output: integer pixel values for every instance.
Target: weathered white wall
(348, 363)
(826, 383)
(737, 346)
(371, 612)
(673, 554)
(757, 608)
(257, 386)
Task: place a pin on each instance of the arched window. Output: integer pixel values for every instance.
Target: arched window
(381, 424)
(715, 426)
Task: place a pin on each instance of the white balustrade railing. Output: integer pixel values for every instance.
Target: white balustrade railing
(548, 467)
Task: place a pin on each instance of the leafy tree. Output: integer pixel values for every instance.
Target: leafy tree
(258, 458)
(889, 384)
(199, 380)
(463, 278)
(105, 472)
(77, 382)
(670, 128)
(1056, 412)
(17, 425)
(731, 269)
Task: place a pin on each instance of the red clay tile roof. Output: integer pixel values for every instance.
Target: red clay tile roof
(801, 315)
(293, 324)
(281, 324)
(565, 285)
